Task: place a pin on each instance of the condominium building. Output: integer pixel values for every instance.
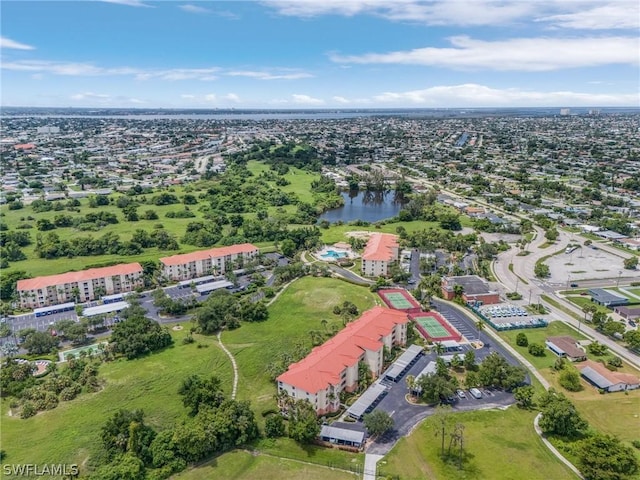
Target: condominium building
(214, 261)
(382, 249)
(80, 286)
(333, 366)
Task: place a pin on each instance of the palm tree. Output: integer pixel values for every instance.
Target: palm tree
(479, 327)
(411, 384)
(438, 348)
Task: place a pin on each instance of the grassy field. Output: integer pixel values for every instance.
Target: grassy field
(615, 413)
(500, 445)
(300, 180)
(584, 300)
(298, 310)
(241, 465)
(71, 432)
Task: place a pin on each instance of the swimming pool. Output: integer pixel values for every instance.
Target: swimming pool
(334, 254)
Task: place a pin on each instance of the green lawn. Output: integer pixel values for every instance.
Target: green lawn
(300, 180)
(241, 465)
(71, 432)
(500, 445)
(298, 310)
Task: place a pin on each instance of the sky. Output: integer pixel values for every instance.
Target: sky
(336, 54)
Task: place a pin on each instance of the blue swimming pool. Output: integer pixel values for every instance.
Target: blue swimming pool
(334, 254)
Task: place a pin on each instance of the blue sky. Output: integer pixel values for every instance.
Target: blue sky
(320, 53)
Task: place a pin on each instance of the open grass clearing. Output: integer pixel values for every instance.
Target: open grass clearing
(299, 310)
(300, 180)
(501, 444)
(71, 432)
(242, 465)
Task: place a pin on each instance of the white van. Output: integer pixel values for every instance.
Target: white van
(475, 392)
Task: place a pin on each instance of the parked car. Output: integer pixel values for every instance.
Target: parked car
(475, 393)
(574, 285)
(461, 394)
(632, 323)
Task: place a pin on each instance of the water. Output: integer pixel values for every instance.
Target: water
(334, 254)
(365, 206)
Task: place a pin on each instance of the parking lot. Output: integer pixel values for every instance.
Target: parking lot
(583, 263)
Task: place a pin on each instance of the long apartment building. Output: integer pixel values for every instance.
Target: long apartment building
(80, 286)
(214, 261)
(382, 249)
(333, 366)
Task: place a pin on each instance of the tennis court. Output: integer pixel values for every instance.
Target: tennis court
(434, 328)
(399, 300)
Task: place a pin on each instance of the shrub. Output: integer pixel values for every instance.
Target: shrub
(536, 350)
(28, 410)
(615, 362)
(274, 426)
(570, 379)
(522, 340)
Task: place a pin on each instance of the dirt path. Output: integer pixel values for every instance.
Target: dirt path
(233, 364)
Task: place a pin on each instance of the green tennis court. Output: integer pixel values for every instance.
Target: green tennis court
(398, 300)
(433, 327)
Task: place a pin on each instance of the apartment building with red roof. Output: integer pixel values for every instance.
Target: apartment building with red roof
(382, 249)
(207, 262)
(82, 286)
(333, 366)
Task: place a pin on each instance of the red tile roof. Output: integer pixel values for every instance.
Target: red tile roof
(24, 146)
(204, 254)
(81, 276)
(380, 247)
(324, 365)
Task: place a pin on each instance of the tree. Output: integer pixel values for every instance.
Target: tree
(441, 420)
(536, 349)
(541, 270)
(196, 392)
(364, 375)
(524, 396)
(597, 348)
(40, 343)
(631, 263)
(303, 422)
(470, 360)
(570, 379)
(137, 335)
(125, 432)
(435, 388)
(632, 337)
(288, 247)
(604, 457)
(377, 422)
(551, 234)
(274, 426)
(522, 340)
(559, 415)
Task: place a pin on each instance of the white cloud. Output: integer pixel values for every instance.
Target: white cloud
(87, 69)
(129, 3)
(582, 14)
(269, 76)
(91, 99)
(8, 43)
(523, 54)
(172, 74)
(474, 95)
(232, 97)
(341, 100)
(623, 14)
(211, 97)
(440, 12)
(193, 9)
(187, 96)
(306, 100)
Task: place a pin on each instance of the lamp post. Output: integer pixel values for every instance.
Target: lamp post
(619, 275)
